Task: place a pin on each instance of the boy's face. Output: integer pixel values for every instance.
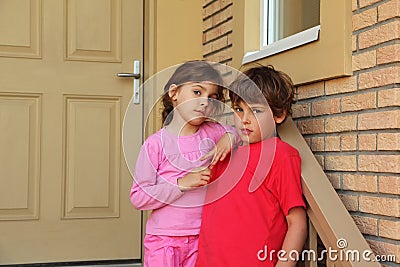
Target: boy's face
(254, 122)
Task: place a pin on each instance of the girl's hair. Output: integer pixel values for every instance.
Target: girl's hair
(191, 71)
(264, 82)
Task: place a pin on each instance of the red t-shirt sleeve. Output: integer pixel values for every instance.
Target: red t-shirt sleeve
(285, 182)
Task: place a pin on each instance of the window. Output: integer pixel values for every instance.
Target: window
(311, 40)
(283, 18)
(286, 24)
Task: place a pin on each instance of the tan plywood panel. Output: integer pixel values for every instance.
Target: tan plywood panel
(93, 34)
(20, 28)
(92, 157)
(19, 156)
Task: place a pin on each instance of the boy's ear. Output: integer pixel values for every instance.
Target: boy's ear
(172, 91)
(279, 120)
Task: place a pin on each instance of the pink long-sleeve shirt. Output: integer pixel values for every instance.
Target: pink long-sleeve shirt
(165, 157)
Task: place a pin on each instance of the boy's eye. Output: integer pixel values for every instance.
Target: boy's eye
(197, 92)
(238, 109)
(211, 99)
(255, 111)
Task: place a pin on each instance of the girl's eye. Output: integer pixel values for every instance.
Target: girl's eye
(211, 99)
(255, 111)
(197, 92)
(238, 109)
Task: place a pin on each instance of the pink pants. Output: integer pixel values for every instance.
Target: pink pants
(170, 251)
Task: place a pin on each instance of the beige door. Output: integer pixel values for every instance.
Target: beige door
(64, 185)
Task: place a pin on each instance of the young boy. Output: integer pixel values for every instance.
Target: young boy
(255, 213)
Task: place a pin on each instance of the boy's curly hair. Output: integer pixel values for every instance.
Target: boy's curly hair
(264, 81)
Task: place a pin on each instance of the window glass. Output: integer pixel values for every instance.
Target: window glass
(283, 18)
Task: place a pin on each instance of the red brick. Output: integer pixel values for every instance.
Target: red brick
(341, 124)
(389, 98)
(341, 85)
(356, 182)
(301, 110)
(364, 19)
(310, 90)
(380, 205)
(332, 143)
(389, 141)
(378, 35)
(220, 56)
(349, 201)
(389, 229)
(388, 54)
(379, 120)
(334, 178)
(318, 144)
(383, 249)
(311, 126)
(211, 9)
(353, 43)
(379, 163)
(329, 106)
(218, 31)
(364, 3)
(354, 5)
(389, 184)
(379, 77)
(340, 163)
(359, 102)
(364, 60)
(389, 10)
(349, 142)
(367, 225)
(215, 45)
(206, 2)
(367, 142)
(321, 160)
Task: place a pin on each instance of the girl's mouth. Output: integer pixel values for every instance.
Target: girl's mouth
(202, 112)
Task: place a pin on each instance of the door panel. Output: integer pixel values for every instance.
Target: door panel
(64, 193)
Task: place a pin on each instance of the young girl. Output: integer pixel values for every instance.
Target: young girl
(170, 170)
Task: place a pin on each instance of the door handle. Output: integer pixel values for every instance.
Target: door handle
(128, 75)
(136, 80)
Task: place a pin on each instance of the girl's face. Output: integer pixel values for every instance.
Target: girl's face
(254, 122)
(194, 101)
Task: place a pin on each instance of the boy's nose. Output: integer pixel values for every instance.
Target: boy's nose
(246, 118)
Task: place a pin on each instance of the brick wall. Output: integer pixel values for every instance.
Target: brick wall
(351, 124)
(217, 30)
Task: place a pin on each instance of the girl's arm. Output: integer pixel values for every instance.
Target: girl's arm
(149, 191)
(154, 196)
(295, 237)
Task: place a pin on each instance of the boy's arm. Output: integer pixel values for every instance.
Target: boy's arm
(295, 237)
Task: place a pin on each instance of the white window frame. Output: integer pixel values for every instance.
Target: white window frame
(290, 42)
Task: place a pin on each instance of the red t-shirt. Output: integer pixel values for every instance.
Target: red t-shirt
(242, 227)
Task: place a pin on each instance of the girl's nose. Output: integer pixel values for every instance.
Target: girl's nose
(204, 101)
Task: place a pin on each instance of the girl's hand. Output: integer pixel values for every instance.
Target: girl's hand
(221, 150)
(194, 179)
